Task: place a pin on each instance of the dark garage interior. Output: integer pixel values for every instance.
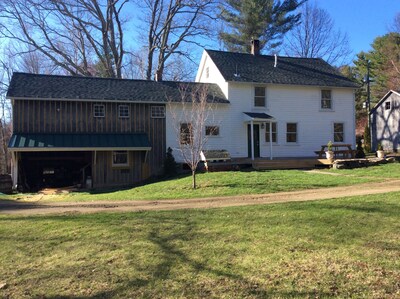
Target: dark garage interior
(54, 170)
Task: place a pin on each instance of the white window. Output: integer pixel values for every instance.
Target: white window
(123, 111)
(387, 105)
(338, 132)
(207, 72)
(291, 132)
(259, 96)
(212, 131)
(326, 99)
(99, 110)
(157, 112)
(120, 158)
(186, 134)
(274, 132)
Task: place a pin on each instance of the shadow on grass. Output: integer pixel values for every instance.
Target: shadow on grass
(149, 181)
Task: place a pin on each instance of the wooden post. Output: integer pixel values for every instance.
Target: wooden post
(252, 139)
(270, 140)
(14, 168)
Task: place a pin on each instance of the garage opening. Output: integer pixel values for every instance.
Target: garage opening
(40, 170)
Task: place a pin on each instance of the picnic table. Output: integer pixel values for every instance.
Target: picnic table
(339, 150)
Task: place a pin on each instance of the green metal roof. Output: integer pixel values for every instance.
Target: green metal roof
(78, 142)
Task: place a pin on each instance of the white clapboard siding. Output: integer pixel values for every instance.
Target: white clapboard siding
(286, 103)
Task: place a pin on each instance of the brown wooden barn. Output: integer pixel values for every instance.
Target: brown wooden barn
(85, 131)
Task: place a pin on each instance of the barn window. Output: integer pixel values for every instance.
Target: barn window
(123, 111)
(99, 110)
(157, 112)
(120, 158)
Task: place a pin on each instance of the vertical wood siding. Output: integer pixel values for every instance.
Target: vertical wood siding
(77, 117)
(106, 175)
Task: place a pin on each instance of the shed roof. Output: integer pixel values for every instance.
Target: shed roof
(240, 67)
(81, 142)
(33, 86)
(389, 93)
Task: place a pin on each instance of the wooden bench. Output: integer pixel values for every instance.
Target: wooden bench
(339, 150)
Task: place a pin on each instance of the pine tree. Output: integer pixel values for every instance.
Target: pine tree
(367, 139)
(265, 20)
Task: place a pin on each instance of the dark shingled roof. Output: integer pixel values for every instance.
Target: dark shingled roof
(258, 115)
(242, 67)
(78, 141)
(34, 86)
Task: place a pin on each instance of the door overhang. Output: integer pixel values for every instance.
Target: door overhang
(256, 118)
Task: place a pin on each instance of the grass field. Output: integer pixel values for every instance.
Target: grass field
(235, 183)
(333, 248)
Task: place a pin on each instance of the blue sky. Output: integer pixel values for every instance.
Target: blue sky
(363, 20)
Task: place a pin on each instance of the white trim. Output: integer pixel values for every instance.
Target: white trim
(295, 85)
(119, 111)
(254, 96)
(127, 164)
(157, 106)
(343, 132)
(332, 108)
(77, 149)
(94, 110)
(297, 133)
(384, 99)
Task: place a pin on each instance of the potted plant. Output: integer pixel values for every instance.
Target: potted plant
(329, 153)
(380, 152)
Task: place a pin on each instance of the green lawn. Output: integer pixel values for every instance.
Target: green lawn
(389, 171)
(333, 248)
(222, 184)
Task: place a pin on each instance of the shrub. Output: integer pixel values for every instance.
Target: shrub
(170, 165)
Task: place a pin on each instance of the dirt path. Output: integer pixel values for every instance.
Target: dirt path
(37, 208)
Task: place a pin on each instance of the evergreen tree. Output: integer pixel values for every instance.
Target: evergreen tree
(384, 65)
(170, 165)
(265, 20)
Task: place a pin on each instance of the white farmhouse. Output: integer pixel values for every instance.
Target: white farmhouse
(278, 106)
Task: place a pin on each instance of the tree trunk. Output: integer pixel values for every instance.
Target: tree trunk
(194, 179)
(3, 151)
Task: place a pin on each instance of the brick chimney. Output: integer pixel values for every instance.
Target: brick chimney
(255, 47)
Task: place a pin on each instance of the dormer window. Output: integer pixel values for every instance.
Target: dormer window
(259, 96)
(326, 99)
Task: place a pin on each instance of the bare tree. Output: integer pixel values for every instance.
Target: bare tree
(5, 117)
(82, 37)
(316, 37)
(169, 25)
(395, 27)
(190, 117)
